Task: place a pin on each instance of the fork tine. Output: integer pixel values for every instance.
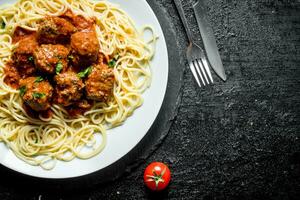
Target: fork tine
(201, 68)
(195, 74)
(199, 74)
(205, 63)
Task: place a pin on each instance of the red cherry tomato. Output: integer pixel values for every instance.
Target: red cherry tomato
(157, 176)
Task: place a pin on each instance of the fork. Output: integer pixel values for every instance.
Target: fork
(195, 54)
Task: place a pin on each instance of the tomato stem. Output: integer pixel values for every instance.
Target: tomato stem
(156, 178)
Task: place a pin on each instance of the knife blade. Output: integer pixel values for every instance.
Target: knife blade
(209, 40)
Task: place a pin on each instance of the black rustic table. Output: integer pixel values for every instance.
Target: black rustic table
(238, 139)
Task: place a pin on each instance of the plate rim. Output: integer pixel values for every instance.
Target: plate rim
(163, 40)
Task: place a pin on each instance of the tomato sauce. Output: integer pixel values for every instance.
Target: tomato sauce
(79, 108)
(35, 114)
(12, 75)
(80, 22)
(20, 33)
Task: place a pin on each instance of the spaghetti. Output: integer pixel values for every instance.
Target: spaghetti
(45, 140)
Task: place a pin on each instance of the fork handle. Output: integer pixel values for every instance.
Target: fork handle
(180, 10)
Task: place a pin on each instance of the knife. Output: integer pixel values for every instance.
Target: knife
(209, 41)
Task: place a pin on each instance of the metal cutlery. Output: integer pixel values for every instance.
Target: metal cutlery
(209, 40)
(195, 54)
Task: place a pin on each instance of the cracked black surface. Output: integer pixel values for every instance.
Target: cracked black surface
(238, 139)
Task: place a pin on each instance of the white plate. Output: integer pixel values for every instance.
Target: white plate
(121, 139)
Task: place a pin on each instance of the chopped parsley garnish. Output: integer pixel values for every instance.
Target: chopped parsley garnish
(30, 58)
(3, 25)
(38, 95)
(38, 79)
(85, 73)
(112, 63)
(59, 67)
(22, 90)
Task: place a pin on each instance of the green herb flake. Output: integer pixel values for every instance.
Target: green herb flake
(37, 95)
(38, 79)
(59, 67)
(85, 73)
(30, 58)
(22, 90)
(3, 25)
(112, 63)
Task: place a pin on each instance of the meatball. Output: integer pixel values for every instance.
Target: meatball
(99, 83)
(55, 30)
(23, 55)
(86, 46)
(79, 21)
(51, 58)
(68, 88)
(24, 50)
(36, 93)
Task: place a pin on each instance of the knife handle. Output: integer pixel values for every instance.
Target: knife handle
(180, 10)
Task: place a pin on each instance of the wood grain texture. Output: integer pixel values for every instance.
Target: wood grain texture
(238, 139)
